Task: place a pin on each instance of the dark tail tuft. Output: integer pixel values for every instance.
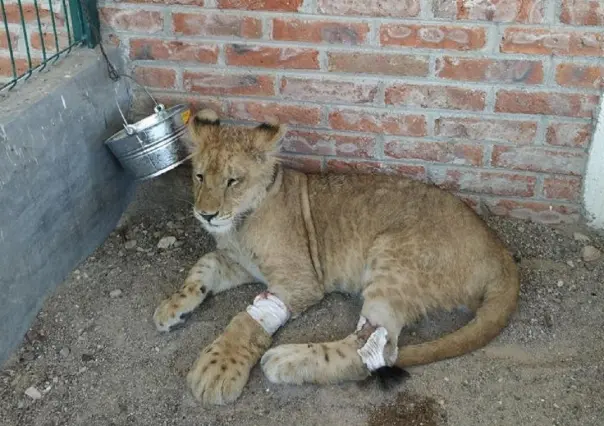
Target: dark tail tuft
(388, 377)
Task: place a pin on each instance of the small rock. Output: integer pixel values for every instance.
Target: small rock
(560, 283)
(156, 234)
(179, 217)
(115, 293)
(570, 263)
(591, 254)
(166, 242)
(549, 321)
(170, 225)
(64, 352)
(87, 357)
(179, 243)
(82, 370)
(580, 237)
(20, 405)
(130, 244)
(33, 393)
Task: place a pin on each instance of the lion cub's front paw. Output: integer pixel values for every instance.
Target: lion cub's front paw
(219, 375)
(170, 313)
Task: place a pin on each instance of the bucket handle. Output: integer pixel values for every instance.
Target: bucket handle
(157, 109)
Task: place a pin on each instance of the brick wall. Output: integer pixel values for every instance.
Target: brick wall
(492, 99)
(31, 38)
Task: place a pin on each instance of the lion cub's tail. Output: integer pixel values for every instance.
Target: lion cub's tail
(491, 317)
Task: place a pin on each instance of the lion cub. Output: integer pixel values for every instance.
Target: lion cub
(406, 247)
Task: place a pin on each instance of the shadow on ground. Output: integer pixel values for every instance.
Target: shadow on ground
(96, 359)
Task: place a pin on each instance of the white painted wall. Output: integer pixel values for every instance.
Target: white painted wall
(593, 188)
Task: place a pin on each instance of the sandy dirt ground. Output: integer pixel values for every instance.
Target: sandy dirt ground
(95, 357)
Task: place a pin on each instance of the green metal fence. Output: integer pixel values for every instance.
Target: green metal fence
(39, 32)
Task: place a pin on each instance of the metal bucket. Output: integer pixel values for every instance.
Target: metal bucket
(153, 145)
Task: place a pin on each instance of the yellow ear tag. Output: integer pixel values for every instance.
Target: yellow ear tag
(185, 115)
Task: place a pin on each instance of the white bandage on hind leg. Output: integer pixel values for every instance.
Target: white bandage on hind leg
(372, 352)
(269, 311)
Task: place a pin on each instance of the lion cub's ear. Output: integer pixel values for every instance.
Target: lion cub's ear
(204, 122)
(268, 135)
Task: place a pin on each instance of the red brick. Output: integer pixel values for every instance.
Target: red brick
(320, 31)
(378, 63)
(49, 41)
(538, 159)
(486, 182)
(582, 12)
(263, 111)
(533, 210)
(173, 50)
(548, 42)
(524, 11)
(433, 36)
(13, 13)
(277, 5)
(435, 97)
(216, 25)
(323, 90)
(378, 122)
(569, 134)
(206, 83)
(490, 70)
(412, 171)
(21, 66)
(565, 188)
(143, 21)
(272, 57)
(394, 8)
(14, 39)
(440, 152)
(164, 78)
(565, 104)
(577, 75)
(199, 3)
(308, 164)
(327, 143)
(485, 130)
(195, 102)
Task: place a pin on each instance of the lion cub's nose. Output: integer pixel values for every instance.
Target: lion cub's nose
(208, 216)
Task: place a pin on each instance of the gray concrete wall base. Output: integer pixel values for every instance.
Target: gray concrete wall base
(61, 190)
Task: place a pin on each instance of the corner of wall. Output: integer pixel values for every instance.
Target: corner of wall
(593, 188)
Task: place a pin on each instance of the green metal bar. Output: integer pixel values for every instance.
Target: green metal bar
(81, 24)
(10, 45)
(91, 22)
(24, 28)
(75, 10)
(26, 75)
(54, 26)
(67, 25)
(41, 35)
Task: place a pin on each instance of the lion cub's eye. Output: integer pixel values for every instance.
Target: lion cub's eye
(232, 182)
(199, 177)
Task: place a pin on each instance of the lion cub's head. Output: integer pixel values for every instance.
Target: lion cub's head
(232, 168)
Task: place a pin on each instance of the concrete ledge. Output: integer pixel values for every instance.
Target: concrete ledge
(61, 190)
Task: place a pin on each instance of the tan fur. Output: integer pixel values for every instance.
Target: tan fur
(406, 247)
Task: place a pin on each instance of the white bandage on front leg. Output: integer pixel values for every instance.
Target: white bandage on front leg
(372, 352)
(269, 311)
